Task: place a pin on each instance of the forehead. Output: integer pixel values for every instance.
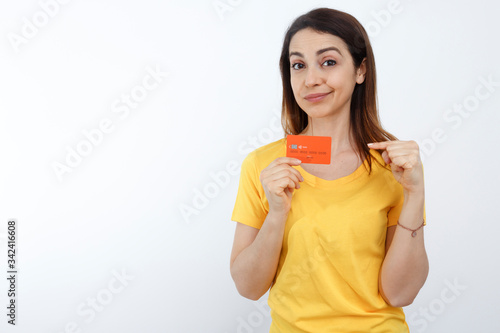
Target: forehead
(309, 40)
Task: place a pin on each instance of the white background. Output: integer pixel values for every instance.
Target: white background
(119, 209)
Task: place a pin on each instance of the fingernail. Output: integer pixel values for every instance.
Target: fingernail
(370, 144)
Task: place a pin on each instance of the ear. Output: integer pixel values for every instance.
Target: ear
(361, 72)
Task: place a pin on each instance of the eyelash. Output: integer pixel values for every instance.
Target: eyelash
(297, 63)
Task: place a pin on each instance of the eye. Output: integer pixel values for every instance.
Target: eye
(297, 66)
(330, 62)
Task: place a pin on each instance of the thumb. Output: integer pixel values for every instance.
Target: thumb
(386, 158)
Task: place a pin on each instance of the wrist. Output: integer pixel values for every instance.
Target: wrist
(412, 214)
(277, 216)
(417, 195)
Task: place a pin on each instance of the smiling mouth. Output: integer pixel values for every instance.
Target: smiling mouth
(316, 97)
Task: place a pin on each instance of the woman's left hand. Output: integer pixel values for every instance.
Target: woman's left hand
(405, 162)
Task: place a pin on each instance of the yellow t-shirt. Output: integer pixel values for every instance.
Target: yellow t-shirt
(333, 247)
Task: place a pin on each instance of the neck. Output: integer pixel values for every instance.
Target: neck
(336, 126)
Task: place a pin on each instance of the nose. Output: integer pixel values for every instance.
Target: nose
(313, 76)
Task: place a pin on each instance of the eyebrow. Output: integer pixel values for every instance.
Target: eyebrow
(318, 52)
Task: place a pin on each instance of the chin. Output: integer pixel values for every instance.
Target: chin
(318, 111)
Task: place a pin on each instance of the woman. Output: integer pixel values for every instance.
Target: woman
(325, 237)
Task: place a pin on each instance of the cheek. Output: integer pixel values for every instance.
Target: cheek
(341, 81)
(335, 81)
(295, 83)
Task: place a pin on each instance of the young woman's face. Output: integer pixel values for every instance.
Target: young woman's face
(322, 73)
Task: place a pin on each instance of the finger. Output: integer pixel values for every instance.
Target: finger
(397, 156)
(289, 192)
(285, 160)
(286, 173)
(297, 174)
(395, 145)
(380, 145)
(403, 149)
(399, 160)
(405, 162)
(278, 186)
(396, 168)
(385, 156)
(280, 167)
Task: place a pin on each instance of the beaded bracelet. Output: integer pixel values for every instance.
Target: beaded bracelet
(414, 232)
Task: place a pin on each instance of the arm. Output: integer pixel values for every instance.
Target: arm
(255, 256)
(256, 252)
(406, 266)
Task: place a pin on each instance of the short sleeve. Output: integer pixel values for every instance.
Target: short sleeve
(250, 206)
(394, 212)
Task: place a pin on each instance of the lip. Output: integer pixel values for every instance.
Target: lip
(316, 97)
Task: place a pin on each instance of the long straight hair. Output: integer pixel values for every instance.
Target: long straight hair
(364, 118)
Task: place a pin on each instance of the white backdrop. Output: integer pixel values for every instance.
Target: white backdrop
(123, 125)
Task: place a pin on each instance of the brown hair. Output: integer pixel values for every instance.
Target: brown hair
(364, 119)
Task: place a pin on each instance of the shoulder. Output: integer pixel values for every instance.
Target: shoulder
(261, 157)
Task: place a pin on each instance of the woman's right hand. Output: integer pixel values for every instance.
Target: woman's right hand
(279, 180)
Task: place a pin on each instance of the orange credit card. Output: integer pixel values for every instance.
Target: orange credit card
(309, 149)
